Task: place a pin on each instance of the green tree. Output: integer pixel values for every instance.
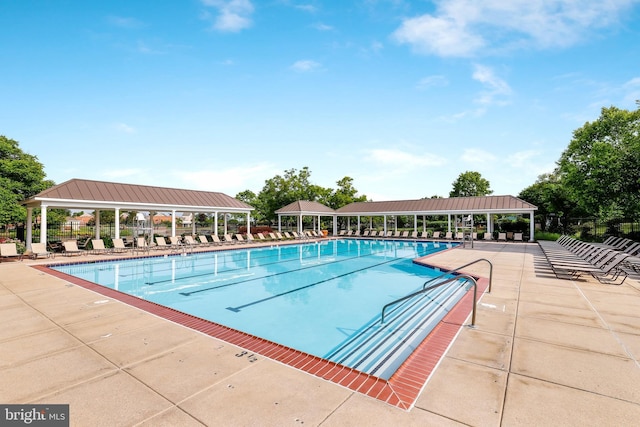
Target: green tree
(554, 202)
(601, 165)
(21, 176)
(345, 194)
(470, 184)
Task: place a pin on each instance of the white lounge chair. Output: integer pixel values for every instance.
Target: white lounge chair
(98, 247)
(9, 250)
(71, 248)
(40, 249)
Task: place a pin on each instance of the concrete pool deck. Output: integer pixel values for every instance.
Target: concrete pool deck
(544, 352)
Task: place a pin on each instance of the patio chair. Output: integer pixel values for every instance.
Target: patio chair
(517, 237)
(448, 235)
(161, 243)
(40, 249)
(216, 240)
(460, 235)
(203, 241)
(189, 240)
(240, 239)
(228, 239)
(10, 250)
(502, 237)
(436, 235)
(119, 247)
(424, 235)
(373, 233)
(71, 248)
(261, 237)
(488, 236)
(405, 234)
(98, 247)
(175, 242)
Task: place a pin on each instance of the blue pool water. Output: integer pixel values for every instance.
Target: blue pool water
(323, 298)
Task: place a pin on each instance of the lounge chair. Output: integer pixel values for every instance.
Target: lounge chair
(40, 249)
(288, 236)
(203, 241)
(175, 242)
(216, 240)
(460, 235)
(10, 250)
(448, 235)
(71, 248)
(373, 233)
(228, 239)
(488, 236)
(342, 232)
(84, 245)
(272, 236)
(98, 247)
(250, 238)
(414, 234)
(261, 237)
(436, 235)
(424, 235)
(240, 239)
(517, 237)
(190, 241)
(119, 246)
(161, 243)
(405, 234)
(141, 244)
(502, 237)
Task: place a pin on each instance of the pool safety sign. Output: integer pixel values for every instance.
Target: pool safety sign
(34, 415)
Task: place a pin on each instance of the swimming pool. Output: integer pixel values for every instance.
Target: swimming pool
(323, 298)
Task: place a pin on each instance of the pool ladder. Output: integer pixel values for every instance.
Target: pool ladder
(457, 277)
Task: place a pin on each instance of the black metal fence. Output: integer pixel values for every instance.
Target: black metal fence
(593, 229)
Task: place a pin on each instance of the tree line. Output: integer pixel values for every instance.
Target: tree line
(597, 175)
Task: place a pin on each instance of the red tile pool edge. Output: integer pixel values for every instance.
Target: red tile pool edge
(401, 390)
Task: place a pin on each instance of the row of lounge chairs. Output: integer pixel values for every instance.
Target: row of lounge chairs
(572, 258)
(427, 235)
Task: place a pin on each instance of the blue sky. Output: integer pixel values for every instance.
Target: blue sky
(401, 96)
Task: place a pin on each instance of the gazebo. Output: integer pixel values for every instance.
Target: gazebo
(100, 195)
(450, 207)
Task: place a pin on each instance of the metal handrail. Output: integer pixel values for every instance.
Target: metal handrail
(446, 273)
(449, 280)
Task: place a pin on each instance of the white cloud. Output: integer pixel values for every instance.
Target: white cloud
(123, 127)
(465, 27)
(322, 27)
(229, 181)
(124, 22)
(495, 86)
(402, 159)
(432, 81)
(305, 65)
(477, 156)
(232, 15)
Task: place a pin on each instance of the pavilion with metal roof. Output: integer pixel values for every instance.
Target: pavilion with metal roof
(100, 195)
(452, 207)
(302, 208)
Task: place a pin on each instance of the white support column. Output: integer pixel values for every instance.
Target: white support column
(335, 225)
(97, 215)
(173, 223)
(532, 227)
(248, 222)
(29, 236)
(319, 230)
(193, 223)
(449, 222)
(384, 225)
(117, 217)
(358, 222)
(415, 222)
(215, 223)
(489, 224)
(43, 224)
(225, 223)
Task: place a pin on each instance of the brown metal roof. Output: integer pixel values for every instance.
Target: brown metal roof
(305, 207)
(82, 193)
(466, 205)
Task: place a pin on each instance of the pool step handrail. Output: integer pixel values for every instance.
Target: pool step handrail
(446, 273)
(466, 277)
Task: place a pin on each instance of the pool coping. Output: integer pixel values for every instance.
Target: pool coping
(401, 390)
